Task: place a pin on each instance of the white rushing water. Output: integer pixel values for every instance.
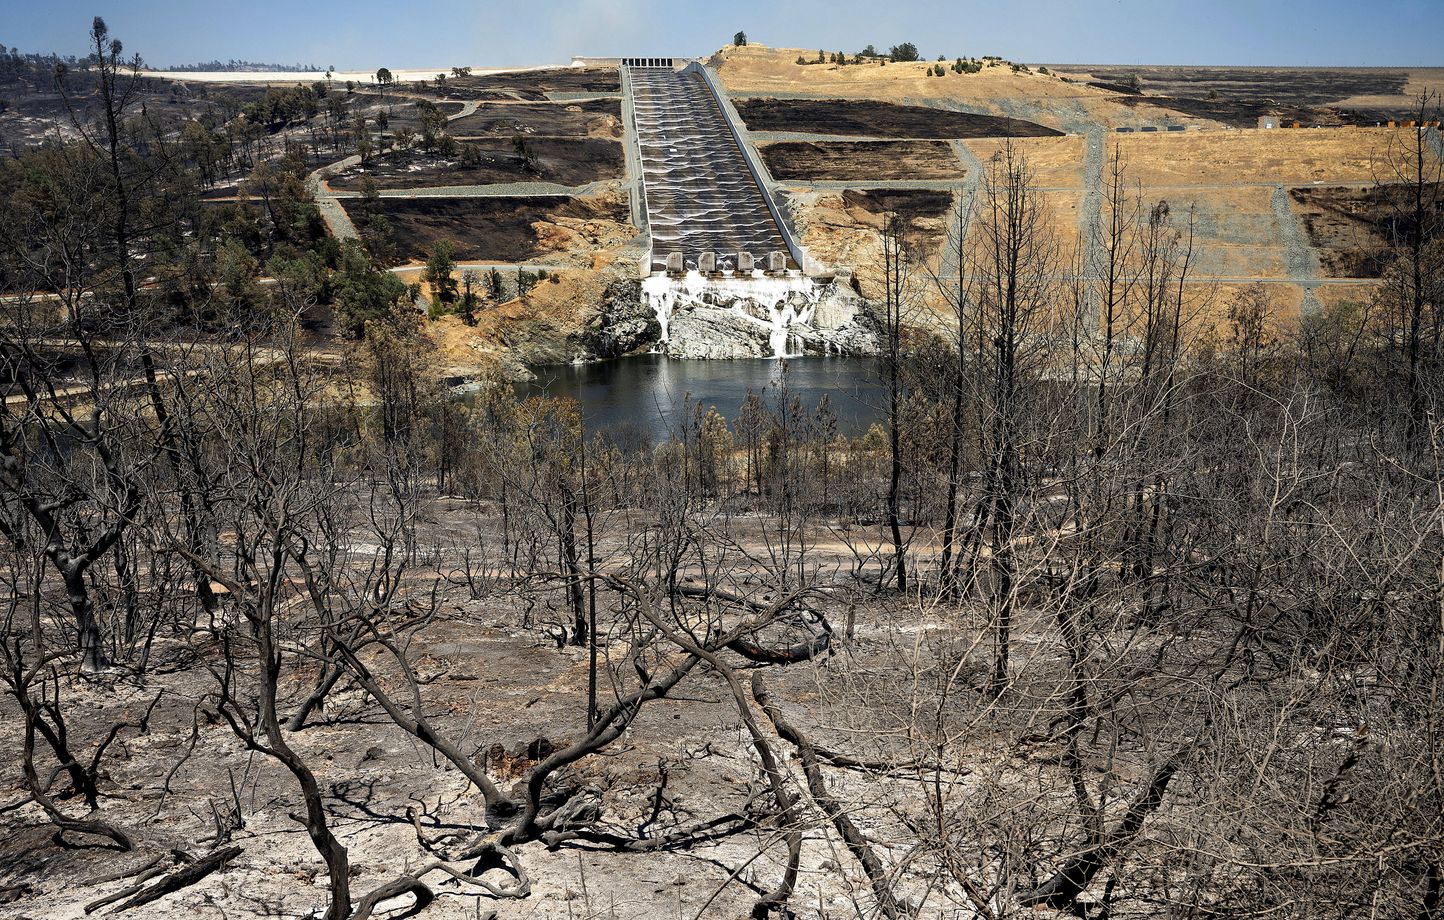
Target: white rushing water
(777, 303)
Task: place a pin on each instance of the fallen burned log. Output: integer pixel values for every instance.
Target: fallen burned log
(184, 877)
(395, 888)
(818, 641)
(685, 838)
(857, 843)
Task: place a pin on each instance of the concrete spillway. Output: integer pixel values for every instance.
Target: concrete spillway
(707, 208)
(700, 193)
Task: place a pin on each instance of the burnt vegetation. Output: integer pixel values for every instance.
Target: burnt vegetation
(499, 229)
(565, 161)
(1132, 606)
(862, 160)
(880, 119)
(596, 117)
(1355, 230)
(1237, 96)
(525, 85)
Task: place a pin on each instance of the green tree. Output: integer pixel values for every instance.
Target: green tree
(361, 137)
(238, 271)
(365, 293)
(439, 269)
(304, 279)
(523, 153)
(433, 124)
(740, 39)
(907, 51)
(470, 296)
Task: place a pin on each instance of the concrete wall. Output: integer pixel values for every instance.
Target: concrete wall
(633, 154)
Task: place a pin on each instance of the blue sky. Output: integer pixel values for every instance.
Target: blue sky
(365, 34)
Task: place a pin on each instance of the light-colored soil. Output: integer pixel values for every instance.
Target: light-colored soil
(1235, 231)
(1056, 162)
(493, 680)
(1049, 100)
(489, 681)
(1285, 157)
(840, 232)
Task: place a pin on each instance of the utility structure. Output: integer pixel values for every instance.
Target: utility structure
(705, 200)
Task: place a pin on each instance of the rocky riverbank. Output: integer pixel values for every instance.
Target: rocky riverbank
(759, 317)
(577, 317)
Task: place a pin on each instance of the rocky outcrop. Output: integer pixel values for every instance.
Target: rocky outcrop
(759, 318)
(579, 316)
(621, 325)
(715, 332)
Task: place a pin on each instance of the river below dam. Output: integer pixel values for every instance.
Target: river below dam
(647, 395)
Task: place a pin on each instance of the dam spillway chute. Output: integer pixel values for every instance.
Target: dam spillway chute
(717, 239)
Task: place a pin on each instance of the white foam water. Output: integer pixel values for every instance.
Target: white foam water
(786, 302)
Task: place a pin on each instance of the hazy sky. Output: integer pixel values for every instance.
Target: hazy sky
(365, 34)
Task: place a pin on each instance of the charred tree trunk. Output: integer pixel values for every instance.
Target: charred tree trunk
(1060, 891)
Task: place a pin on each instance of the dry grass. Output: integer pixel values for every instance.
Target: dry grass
(462, 350)
(1212, 301)
(1330, 295)
(1284, 157)
(1062, 207)
(1056, 162)
(1421, 80)
(759, 70)
(763, 70)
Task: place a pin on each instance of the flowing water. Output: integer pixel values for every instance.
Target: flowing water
(774, 303)
(700, 195)
(645, 397)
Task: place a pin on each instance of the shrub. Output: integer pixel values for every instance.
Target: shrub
(907, 51)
